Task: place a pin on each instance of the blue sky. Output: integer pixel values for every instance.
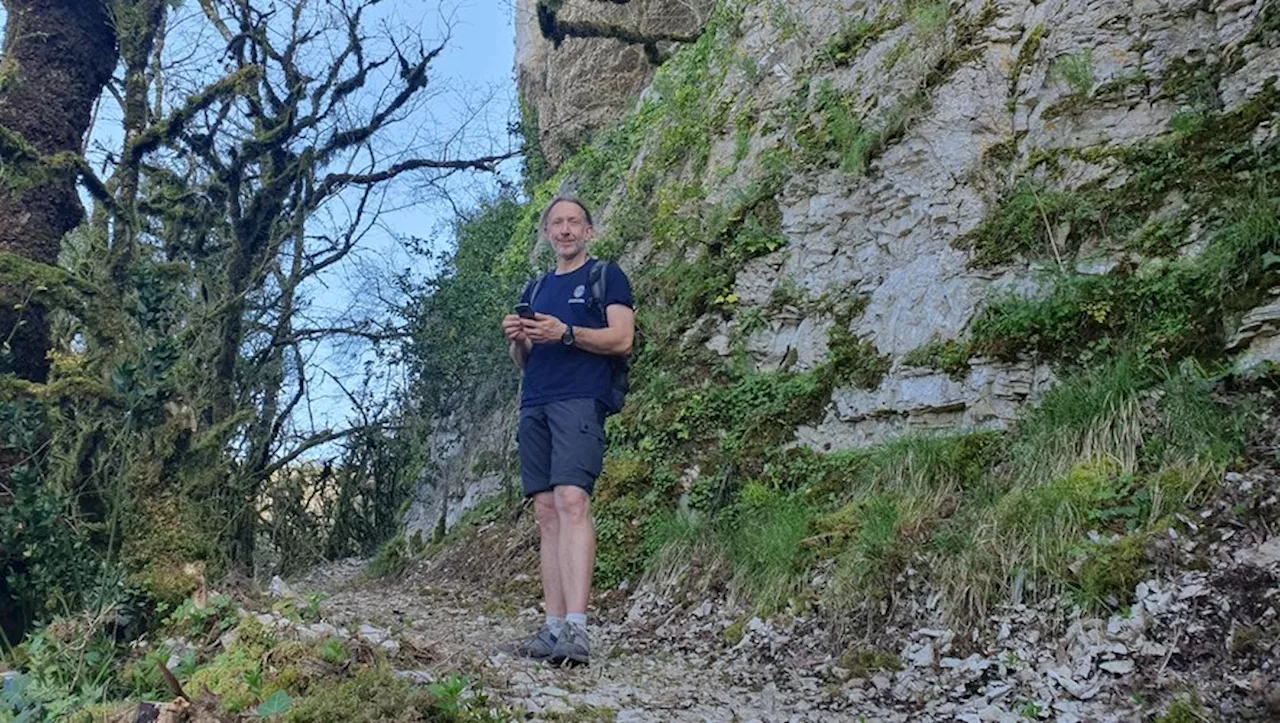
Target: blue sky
(477, 63)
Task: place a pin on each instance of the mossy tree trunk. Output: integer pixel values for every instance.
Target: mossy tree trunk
(58, 56)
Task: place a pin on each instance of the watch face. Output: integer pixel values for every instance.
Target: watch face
(568, 336)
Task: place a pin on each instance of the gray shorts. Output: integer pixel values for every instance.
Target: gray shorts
(561, 443)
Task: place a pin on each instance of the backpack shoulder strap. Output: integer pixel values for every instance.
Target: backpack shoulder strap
(597, 279)
(537, 286)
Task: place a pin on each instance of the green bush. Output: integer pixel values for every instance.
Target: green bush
(764, 534)
(49, 561)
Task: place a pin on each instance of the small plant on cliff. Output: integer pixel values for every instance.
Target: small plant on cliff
(1076, 71)
(929, 19)
(950, 356)
(853, 38)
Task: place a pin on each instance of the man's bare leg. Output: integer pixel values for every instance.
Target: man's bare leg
(577, 554)
(544, 505)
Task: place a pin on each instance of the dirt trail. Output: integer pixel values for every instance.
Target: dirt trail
(1200, 639)
(451, 627)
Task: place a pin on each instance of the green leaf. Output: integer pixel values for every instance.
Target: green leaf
(1270, 259)
(278, 704)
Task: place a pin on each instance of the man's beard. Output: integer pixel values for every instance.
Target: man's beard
(570, 251)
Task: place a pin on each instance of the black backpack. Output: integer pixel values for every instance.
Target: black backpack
(620, 379)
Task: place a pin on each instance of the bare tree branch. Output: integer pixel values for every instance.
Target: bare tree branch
(485, 163)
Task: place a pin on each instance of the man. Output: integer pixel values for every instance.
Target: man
(565, 352)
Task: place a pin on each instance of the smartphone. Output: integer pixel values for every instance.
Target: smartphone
(524, 311)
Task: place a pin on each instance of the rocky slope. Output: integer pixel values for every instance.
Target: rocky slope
(1197, 644)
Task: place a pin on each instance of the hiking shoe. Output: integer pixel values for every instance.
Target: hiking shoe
(537, 646)
(572, 648)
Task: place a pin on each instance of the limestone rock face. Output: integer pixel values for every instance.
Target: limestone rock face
(584, 81)
(963, 102)
(915, 400)
(470, 454)
(1258, 337)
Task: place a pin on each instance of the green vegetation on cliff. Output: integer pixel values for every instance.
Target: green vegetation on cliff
(702, 470)
(1161, 301)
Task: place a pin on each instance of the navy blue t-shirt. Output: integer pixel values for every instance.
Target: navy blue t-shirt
(555, 372)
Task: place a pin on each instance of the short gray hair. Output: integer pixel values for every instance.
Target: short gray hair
(565, 199)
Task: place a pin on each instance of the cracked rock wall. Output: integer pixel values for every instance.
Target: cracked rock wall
(586, 83)
(888, 235)
(986, 82)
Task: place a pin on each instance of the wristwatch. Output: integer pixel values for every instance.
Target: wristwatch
(567, 338)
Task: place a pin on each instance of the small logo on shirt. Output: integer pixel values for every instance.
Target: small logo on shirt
(577, 295)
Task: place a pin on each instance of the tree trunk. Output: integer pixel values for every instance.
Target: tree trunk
(58, 55)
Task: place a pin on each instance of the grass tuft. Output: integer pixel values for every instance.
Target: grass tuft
(764, 534)
(1090, 418)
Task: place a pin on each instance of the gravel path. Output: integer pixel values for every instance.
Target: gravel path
(444, 629)
(1207, 637)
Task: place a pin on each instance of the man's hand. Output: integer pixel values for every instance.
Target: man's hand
(543, 329)
(512, 327)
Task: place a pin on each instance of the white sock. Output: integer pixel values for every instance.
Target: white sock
(555, 625)
(579, 619)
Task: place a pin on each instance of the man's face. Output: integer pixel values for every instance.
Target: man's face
(568, 230)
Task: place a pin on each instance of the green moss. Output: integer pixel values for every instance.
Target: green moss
(1027, 222)
(1267, 23)
(855, 362)
(950, 356)
(1045, 523)
(1117, 89)
(227, 677)
(734, 633)
(373, 694)
(174, 554)
(964, 47)
(1161, 237)
(1188, 710)
(1001, 153)
(785, 19)
(619, 539)
(854, 37)
(536, 166)
(787, 293)
(866, 662)
(1169, 308)
(928, 19)
(751, 230)
(836, 134)
(852, 361)
(622, 476)
(1193, 81)
(1026, 55)
(1205, 162)
(1110, 572)
(60, 390)
(16, 148)
(48, 283)
(583, 713)
(896, 54)
(742, 144)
